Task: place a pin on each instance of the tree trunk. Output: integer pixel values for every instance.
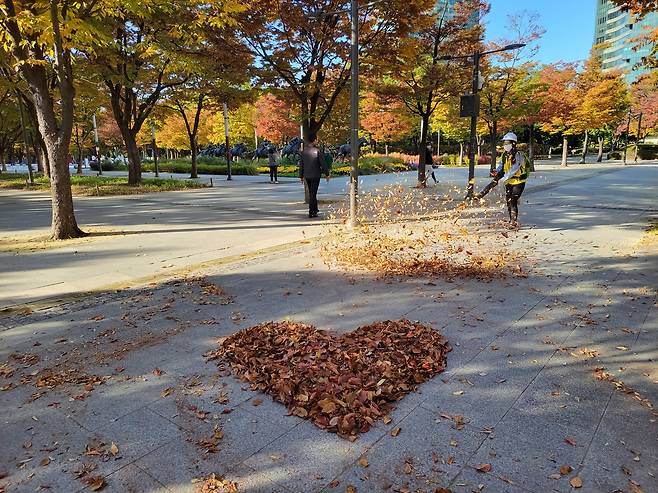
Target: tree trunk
(134, 161)
(195, 147)
(599, 157)
(565, 150)
(493, 140)
(386, 148)
(550, 152)
(3, 166)
(585, 144)
(422, 145)
(531, 147)
(461, 153)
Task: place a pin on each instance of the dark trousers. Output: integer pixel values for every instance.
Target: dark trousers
(274, 173)
(313, 184)
(512, 196)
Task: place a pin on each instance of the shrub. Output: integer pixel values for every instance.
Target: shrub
(647, 151)
(184, 166)
(110, 165)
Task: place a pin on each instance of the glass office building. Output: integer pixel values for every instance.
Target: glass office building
(616, 29)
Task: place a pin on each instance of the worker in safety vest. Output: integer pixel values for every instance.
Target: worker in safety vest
(513, 171)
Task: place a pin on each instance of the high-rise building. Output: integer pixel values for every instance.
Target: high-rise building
(617, 28)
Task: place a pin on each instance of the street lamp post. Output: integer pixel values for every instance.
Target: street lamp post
(354, 101)
(474, 107)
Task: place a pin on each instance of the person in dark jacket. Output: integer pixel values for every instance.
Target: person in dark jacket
(273, 164)
(311, 169)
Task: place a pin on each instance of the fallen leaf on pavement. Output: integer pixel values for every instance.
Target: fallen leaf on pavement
(395, 431)
(483, 467)
(564, 470)
(570, 441)
(166, 392)
(114, 450)
(363, 462)
(95, 483)
(576, 482)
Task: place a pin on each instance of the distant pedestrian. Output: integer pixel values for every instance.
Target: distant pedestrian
(430, 166)
(273, 161)
(313, 165)
(513, 171)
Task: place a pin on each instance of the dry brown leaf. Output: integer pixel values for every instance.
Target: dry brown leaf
(570, 441)
(94, 483)
(166, 392)
(576, 482)
(564, 470)
(483, 467)
(363, 461)
(395, 431)
(256, 401)
(350, 489)
(114, 449)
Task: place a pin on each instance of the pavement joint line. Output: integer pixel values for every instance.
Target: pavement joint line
(581, 464)
(56, 301)
(152, 476)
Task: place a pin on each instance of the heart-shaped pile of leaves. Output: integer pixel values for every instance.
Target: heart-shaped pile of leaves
(345, 383)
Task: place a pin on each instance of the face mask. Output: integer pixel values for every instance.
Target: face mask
(507, 147)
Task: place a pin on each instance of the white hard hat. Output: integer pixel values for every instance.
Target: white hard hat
(510, 136)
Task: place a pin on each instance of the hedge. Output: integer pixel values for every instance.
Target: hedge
(184, 166)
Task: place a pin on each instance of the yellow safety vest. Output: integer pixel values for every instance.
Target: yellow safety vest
(521, 174)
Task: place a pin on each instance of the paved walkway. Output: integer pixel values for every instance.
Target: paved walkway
(170, 232)
(521, 373)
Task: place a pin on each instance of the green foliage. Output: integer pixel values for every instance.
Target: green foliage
(98, 185)
(110, 165)
(184, 166)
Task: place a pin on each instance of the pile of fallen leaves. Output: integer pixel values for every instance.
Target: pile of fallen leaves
(343, 384)
(215, 483)
(409, 233)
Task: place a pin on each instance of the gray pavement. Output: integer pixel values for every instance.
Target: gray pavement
(521, 373)
(169, 232)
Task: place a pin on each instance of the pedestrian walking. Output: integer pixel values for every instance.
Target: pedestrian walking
(513, 170)
(273, 162)
(430, 165)
(312, 167)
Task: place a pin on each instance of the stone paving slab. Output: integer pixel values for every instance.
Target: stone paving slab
(519, 373)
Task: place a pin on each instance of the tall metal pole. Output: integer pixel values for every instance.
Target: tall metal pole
(228, 151)
(96, 146)
(354, 175)
(474, 122)
(155, 150)
(438, 143)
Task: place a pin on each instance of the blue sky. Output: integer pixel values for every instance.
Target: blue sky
(569, 26)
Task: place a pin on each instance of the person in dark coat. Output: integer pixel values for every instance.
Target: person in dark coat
(273, 164)
(311, 169)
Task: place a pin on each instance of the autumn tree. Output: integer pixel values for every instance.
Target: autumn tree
(146, 56)
(506, 76)
(560, 101)
(304, 45)
(41, 38)
(274, 118)
(417, 75)
(385, 120)
(602, 102)
(644, 101)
